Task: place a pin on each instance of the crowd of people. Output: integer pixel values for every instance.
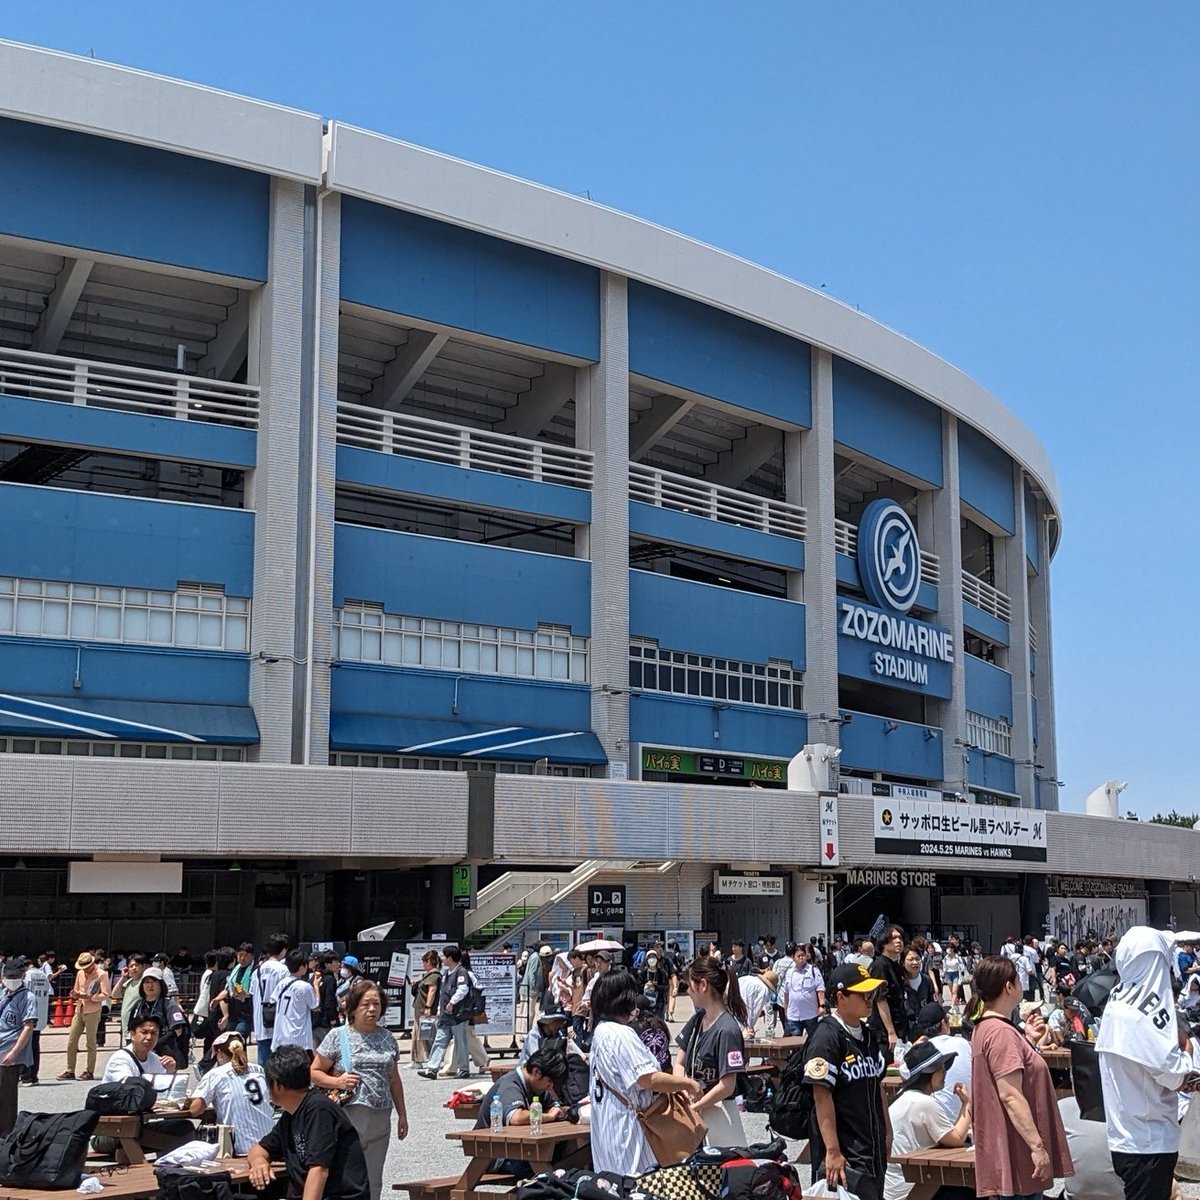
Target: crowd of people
(966, 1031)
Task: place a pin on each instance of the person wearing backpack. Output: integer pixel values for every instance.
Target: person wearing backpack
(267, 979)
(18, 1020)
(296, 998)
(844, 1065)
(453, 995)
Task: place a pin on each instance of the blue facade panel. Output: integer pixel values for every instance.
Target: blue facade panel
(886, 421)
(1033, 548)
(989, 689)
(992, 771)
(460, 581)
(985, 478)
(983, 623)
(683, 529)
(404, 263)
(676, 340)
(100, 194)
(43, 667)
(704, 619)
(846, 569)
(415, 477)
(126, 433)
(865, 654)
(871, 743)
(482, 699)
(87, 537)
(738, 729)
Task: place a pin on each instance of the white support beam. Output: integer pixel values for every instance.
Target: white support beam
(400, 376)
(227, 351)
(61, 305)
(664, 413)
(548, 394)
(745, 457)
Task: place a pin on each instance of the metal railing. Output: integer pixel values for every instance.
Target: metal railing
(682, 493)
(984, 596)
(845, 541)
(1032, 638)
(127, 389)
(989, 734)
(458, 446)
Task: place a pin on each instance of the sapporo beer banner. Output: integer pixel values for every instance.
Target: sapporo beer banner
(945, 829)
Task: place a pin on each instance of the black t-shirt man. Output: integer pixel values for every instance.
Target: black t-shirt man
(319, 1134)
(851, 1068)
(894, 980)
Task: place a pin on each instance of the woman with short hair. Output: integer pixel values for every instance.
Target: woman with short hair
(360, 1058)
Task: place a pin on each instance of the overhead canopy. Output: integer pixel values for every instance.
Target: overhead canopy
(92, 719)
(371, 733)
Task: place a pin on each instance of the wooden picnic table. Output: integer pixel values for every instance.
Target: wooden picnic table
(131, 1132)
(127, 1183)
(928, 1170)
(498, 1070)
(560, 1144)
(776, 1051)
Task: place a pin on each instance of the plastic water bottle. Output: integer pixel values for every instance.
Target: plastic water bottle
(497, 1114)
(535, 1117)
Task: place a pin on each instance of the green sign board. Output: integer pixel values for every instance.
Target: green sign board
(692, 762)
(462, 886)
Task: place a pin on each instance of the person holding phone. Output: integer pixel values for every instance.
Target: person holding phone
(91, 994)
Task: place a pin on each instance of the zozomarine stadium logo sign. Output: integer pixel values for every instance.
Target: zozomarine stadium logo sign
(889, 556)
(880, 639)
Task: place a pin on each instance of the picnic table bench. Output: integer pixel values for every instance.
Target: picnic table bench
(928, 1170)
(127, 1183)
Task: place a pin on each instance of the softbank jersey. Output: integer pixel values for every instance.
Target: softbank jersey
(851, 1068)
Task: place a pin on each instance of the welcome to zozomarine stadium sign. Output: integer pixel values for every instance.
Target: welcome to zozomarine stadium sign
(878, 640)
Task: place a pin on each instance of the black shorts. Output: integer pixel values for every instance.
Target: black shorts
(1145, 1176)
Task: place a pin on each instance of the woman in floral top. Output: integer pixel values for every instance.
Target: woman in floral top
(371, 1075)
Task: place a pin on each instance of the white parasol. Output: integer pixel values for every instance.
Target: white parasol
(599, 944)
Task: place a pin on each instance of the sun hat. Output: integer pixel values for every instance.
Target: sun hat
(853, 978)
(223, 1039)
(84, 961)
(930, 1016)
(153, 973)
(546, 951)
(922, 1059)
(13, 969)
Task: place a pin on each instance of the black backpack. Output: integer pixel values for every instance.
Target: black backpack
(791, 1109)
(193, 1183)
(46, 1150)
(124, 1097)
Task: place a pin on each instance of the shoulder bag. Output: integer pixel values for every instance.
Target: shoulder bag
(343, 1095)
(672, 1128)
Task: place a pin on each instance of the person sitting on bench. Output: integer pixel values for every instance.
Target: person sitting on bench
(543, 1074)
(313, 1136)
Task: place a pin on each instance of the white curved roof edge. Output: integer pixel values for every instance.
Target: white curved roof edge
(398, 174)
(65, 90)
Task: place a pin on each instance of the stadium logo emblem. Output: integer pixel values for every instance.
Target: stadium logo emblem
(889, 556)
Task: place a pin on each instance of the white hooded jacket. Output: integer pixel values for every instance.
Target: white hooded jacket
(1141, 1065)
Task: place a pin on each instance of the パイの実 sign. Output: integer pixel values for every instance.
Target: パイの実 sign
(936, 829)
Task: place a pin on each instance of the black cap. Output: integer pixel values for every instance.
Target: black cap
(930, 1016)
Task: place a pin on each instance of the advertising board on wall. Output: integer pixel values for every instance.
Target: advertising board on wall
(937, 829)
(497, 975)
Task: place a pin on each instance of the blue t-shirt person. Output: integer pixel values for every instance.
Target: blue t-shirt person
(18, 1008)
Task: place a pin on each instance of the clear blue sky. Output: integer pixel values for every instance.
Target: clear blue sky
(1013, 185)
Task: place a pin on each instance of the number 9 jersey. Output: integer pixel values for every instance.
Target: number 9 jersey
(241, 1101)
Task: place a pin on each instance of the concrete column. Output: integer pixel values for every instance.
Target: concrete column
(1043, 680)
(810, 907)
(1016, 584)
(947, 545)
(275, 365)
(319, 652)
(602, 424)
(808, 459)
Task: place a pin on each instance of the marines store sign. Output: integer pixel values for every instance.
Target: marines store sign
(879, 641)
(938, 829)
